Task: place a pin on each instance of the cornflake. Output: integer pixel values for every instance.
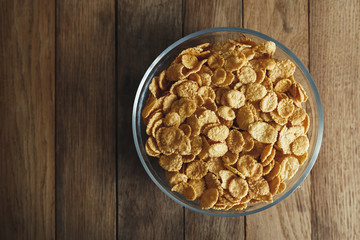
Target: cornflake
(226, 123)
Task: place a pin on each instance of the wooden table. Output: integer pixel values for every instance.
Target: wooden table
(68, 75)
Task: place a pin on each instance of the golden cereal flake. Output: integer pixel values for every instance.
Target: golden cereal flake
(263, 132)
(234, 63)
(180, 187)
(199, 186)
(154, 87)
(218, 133)
(152, 119)
(267, 48)
(215, 165)
(269, 158)
(281, 188)
(175, 72)
(266, 117)
(267, 169)
(246, 75)
(163, 83)
(230, 158)
(235, 141)
(217, 149)
(285, 108)
(187, 89)
(266, 152)
(287, 136)
(226, 176)
(172, 162)
(188, 158)
(151, 148)
(306, 123)
(206, 92)
(245, 117)
(168, 100)
(172, 119)
(239, 207)
(288, 167)
(167, 139)
(300, 145)
(216, 61)
(189, 61)
(189, 193)
(186, 129)
(228, 80)
(207, 116)
(298, 116)
(209, 198)
(219, 93)
(260, 75)
(278, 119)
(302, 158)
(196, 145)
(234, 170)
(184, 107)
(283, 85)
(176, 178)
(196, 169)
(259, 187)
(298, 92)
(274, 172)
(283, 69)
(255, 91)
(212, 181)
(210, 104)
(226, 113)
(156, 126)
(238, 187)
(233, 98)
(269, 102)
(219, 76)
(274, 185)
(247, 165)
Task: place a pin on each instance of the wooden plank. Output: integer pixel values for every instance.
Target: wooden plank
(85, 120)
(27, 150)
(200, 15)
(145, 28)
(335, 66)
(287, 22)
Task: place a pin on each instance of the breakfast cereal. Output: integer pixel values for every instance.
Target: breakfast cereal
(226, 122)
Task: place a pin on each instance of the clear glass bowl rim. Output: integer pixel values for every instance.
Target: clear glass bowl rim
(279, 45)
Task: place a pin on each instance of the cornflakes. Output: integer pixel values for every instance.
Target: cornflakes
(209, 198)
(263, 132)
(300, 145)
(235, 141)
(226, 122)
(246, 75)
(269, 102)
(238, 187)
(196, 170)
(255, 91)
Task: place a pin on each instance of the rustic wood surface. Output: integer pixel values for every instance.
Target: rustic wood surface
(68, 75)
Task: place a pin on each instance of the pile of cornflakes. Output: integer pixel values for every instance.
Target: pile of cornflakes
(226, 123)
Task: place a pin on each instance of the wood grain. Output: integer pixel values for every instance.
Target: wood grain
(335, 66)
(85, 120)
(200, 15)
(285, 21)
(27, 150)
(145, 29)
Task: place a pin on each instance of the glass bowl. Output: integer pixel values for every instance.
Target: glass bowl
(312, 106)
